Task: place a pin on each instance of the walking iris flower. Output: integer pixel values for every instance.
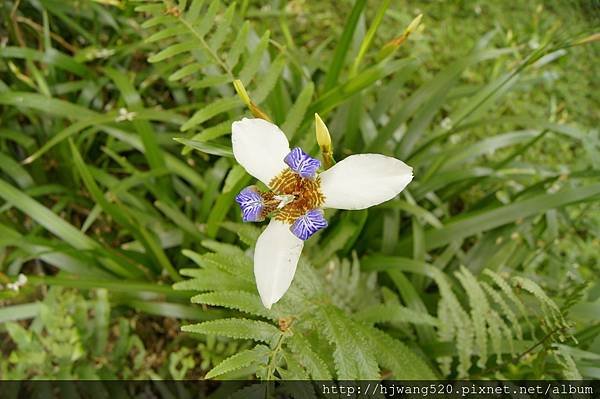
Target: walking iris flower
(297, 195)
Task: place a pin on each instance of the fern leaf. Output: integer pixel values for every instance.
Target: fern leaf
(210, 81)
(352, 355)
(259, 354)
(224, 26)
(308, 358)
(394, 313)
(506, 289)
(238, 46)
(247, 232)
(479, 311)
(193, 256)
(173, 50)
(194, 10)
(166, 33)
(253, 63)
(266, 85)
(185, 71)
(550, 308)
(151, 8)
(236, 328)
(240, 266)
(211, 133)
(160, 20)
(565, 360)
(495, 331)
(397, 357)
(203, 25)
(223, 105)
(459, 325)
(223, 248)
(294, 370)
(506, 310)
(212, 280)
(240, 300)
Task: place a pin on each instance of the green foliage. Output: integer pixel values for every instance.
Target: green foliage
(291, 325)
(116, 172)
(65, 342)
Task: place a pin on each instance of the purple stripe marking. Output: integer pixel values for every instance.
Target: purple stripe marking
(308, 224)
(251, 204)
(302, 163)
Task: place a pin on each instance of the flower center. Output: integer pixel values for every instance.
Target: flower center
(295, 197)
(301, 195)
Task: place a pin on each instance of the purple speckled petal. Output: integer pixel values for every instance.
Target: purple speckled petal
(251, 204)
(308, 224)
(302, 163)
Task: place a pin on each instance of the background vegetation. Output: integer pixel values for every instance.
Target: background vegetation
(117, 181)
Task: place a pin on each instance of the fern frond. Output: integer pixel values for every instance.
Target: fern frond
(258, 354)
(247, 232)
(308, 358)
(353, 355)
(211, 280)
(239, 300)
(396, 356)
(480, 311)
(236, 328)
(235, 265)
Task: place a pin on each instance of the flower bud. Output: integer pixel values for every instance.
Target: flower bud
(324, 141)
(391, 46)
(243, 94)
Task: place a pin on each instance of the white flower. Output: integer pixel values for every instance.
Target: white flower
(125, 115)
(298, 193)
(20, 282)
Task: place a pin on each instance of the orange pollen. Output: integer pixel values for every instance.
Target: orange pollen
(307, 195)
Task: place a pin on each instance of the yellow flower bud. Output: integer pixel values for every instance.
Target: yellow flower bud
(243, 94)
(323, 137)
(413, 25)
(390, 47)
(241, 91)
(324, 141)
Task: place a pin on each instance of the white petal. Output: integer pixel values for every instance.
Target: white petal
(364, 180)
(275, 259)
(260, 147)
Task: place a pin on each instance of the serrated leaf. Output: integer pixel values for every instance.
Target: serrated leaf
(248, 233)
(236, 328)
(239, 300)
(174, 50)
(267, 83)
(238, 45)
(212, 280)
(211, 81)
(253, 63)
(217, 107)
(239, 360)
(308, 358)
(185, 71)
(352, 355)
(240, 266)
(397, 357)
